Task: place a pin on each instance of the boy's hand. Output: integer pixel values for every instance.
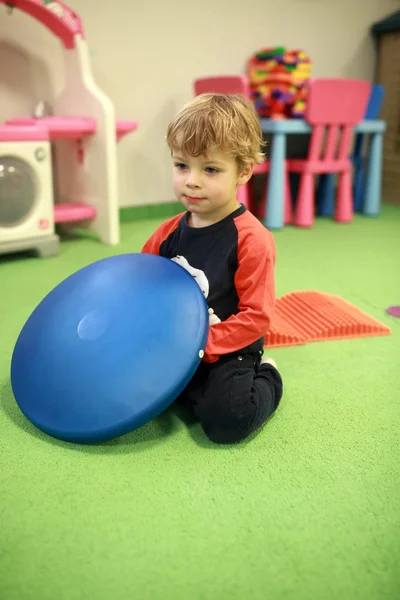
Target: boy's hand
(213, 317)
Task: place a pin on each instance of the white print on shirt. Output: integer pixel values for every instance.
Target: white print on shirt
(202, 281)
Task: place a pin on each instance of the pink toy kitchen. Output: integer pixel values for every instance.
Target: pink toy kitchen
(73, 145)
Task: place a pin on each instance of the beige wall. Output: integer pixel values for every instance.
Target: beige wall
(146, 59)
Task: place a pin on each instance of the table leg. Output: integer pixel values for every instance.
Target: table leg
(373, 180)
(275, 192)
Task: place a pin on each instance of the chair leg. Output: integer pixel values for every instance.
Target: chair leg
(288, 201)
(304, 216)
(358, 188)
(344, 205)
(263, 200)
(243, 195)
(251, 200)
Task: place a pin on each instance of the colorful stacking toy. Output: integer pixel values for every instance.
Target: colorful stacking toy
(278, 82)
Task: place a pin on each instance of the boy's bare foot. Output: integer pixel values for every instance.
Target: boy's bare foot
(270, 361)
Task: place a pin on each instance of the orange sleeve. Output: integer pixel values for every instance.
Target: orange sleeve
(152, 246)
(255, 285)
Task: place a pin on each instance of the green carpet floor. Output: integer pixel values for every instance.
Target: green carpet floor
(308, 509)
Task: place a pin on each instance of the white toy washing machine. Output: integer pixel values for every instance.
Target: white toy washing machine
(26, 191)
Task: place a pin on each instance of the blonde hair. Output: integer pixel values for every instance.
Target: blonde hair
(218, 121)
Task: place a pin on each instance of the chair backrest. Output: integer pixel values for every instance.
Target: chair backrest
(335, 106)
(222, 84)
(337, 101)
(375, 102)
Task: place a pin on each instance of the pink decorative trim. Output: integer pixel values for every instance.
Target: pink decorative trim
(55, 15)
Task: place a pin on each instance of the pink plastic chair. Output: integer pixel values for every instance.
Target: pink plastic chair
(222, 84)
(238, 84)
(334, 105)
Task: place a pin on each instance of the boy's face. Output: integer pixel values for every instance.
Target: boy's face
(207, 185)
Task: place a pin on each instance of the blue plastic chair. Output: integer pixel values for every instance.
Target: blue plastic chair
(326, 187)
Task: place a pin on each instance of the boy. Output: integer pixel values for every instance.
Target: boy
(215, 140)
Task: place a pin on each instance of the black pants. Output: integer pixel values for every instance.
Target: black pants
(233, 397)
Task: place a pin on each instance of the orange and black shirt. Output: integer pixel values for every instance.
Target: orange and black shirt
(233, 262)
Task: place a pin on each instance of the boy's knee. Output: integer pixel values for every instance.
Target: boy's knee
(226, 435)
(223, 427)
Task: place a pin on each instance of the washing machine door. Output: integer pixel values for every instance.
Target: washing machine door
(18, 191)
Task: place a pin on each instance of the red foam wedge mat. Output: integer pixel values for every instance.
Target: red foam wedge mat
(309, 316)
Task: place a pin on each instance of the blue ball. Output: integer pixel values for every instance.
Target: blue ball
(110, 348)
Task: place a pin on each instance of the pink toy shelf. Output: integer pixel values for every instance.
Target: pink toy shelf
(83, 131)
(73, 128)
(58, 128)
(125, 126)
